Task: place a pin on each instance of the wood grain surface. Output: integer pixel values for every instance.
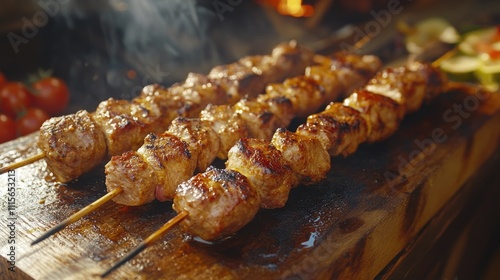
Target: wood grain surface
(350, 226)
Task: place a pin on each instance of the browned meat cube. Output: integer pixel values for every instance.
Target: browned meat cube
(382, 114)
(340, 129)
(196, 93)
(264, 166)
(172, 161)
(228, 125)
(199, 136)
(124, 124)
(219, 202)
(134, 175)
(280, 106)
(304, 154)
(259, 119)
(72, 144)
(304, 93)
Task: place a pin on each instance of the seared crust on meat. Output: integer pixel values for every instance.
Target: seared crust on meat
(436, 80)
(264, 166)
(304, 154)
(382, 114)
(250, 75)
(125, 124)
(229, 126)
(126, 172)
(364, 65)
(194, 94)
(171, 159)
(304, 93)
(72, 144)
(259, 119)
(199, 136)
(328, 79)
(339, 128)
(235, 79)
(219, 202)
(280, 106)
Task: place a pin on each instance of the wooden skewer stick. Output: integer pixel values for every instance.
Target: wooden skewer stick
(147, 242)
(76, 216)
(22, 163)
(445, 56)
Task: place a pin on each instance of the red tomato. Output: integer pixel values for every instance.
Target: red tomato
(3, 79)
(31, 120)
(7, 128)
(14, 98)
(51, 95)
(494, 54)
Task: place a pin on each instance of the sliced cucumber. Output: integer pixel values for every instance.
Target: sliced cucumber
(488, 73)
(428, 31)
(471, 39)
(461, 67)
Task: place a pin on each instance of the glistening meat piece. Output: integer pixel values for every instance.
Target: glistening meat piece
(235, 79)
(280, 106)
(125, 124)
(250, 75)
(218, 202)
(171, 159)
(228, 125)
(304, 93)
(352, 70)
(194, 94)
(304, 154)
(339, 128)
(72, 144)
(259, 119)
(200, 137)
(125, 172)
(382, 114)
(263, 165)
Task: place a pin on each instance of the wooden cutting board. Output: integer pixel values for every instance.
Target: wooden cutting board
(350, 226)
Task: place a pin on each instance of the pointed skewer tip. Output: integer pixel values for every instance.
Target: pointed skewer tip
(78, 215)
(147, 242)
(50, 232)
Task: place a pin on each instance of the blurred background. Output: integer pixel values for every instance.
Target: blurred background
(113, 48)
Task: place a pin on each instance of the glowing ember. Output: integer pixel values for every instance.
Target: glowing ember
(295, 8)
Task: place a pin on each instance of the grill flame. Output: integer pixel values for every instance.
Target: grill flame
(294, 8)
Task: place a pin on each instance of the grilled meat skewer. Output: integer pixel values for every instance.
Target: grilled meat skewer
(76, 143)
(302, 157)
(165, 160)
